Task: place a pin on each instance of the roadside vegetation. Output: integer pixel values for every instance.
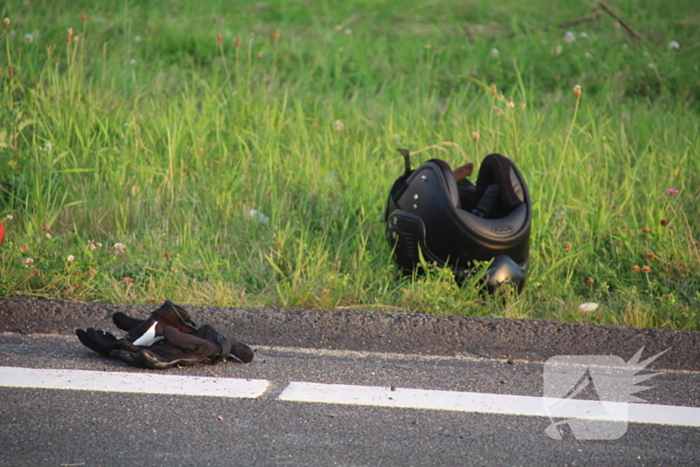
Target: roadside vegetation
(240, 155)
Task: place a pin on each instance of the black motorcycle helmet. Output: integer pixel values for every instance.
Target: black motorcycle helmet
(455, 223)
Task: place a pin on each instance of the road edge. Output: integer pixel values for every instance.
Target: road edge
(374, 331)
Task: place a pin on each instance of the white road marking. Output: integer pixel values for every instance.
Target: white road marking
(131, 382)
(488, 403)
(347, 394)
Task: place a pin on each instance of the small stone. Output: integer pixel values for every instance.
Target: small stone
(588, 307)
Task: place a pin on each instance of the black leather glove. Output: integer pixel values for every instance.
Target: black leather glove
(167, 338)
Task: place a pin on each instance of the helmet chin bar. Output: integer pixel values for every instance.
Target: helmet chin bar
(406, 232)
(429, 215)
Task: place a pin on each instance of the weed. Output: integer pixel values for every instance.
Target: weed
(184, 153)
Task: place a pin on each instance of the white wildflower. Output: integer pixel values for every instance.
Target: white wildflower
(119, 248)
(673, 45)
(70, 258)
(338, 125)
(569, 37)
(557, 50)
(132, 61)
(28, 38)
(137, 38)
(583, 35)
(28, 262)
(9, 217)
(495, 53)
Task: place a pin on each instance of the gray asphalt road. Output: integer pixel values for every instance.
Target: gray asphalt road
(64, 427)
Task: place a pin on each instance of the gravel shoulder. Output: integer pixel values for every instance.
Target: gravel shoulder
(372, 331)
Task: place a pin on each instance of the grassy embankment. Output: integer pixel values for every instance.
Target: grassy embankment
(150, 130)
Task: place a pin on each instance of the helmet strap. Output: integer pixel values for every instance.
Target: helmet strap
(406, 158)
(463, 171)
(487, 202)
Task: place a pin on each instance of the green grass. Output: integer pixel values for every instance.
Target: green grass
(148, 132)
